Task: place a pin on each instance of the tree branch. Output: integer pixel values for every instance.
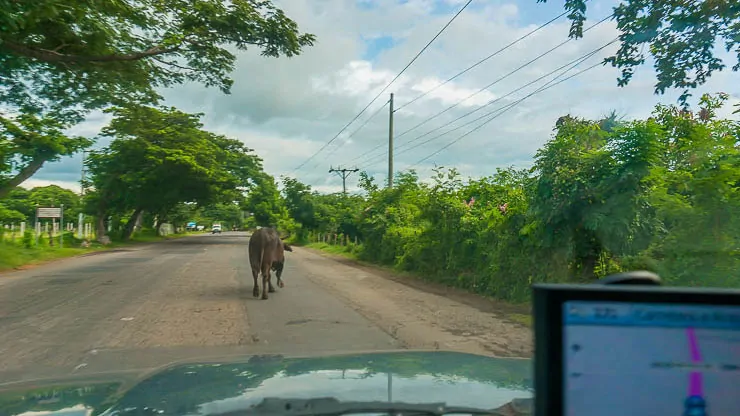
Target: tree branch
(52, 56)
(162, 61)
(25, 173)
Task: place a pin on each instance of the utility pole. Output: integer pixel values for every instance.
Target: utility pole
(344, 173)
(390, 144)
(81, 216)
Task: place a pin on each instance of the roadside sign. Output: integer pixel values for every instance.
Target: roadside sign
(48, 213)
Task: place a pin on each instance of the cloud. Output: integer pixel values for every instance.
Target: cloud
(33, 183)
(287, 109)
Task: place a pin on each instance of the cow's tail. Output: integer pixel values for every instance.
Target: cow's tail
(262, 259)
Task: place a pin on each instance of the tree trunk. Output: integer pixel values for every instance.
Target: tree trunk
(21, 177)
(131, 224)
(100, 227)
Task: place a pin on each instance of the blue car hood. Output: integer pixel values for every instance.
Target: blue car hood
(201, 389)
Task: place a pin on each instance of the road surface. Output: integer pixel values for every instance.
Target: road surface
(191, 298)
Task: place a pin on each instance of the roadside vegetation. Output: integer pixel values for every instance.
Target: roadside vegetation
(604, 196)
(16, 253)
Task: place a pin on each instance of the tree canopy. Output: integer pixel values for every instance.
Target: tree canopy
(680, 36)
(74, 56)
(20, 204)
(160, 158)
(61, 59)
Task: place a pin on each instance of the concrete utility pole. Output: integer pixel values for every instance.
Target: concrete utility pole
(81, 216)
(344, 173)
(390, 143)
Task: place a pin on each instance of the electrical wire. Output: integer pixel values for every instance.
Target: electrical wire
(386, 87)
(521, 38)
(331, 152)
(482, 89)
(573, 63)
(538, 57)
(507, 108)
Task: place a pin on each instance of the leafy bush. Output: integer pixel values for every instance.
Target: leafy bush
(604, 196)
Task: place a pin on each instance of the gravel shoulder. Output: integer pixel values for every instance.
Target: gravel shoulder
(421, 314)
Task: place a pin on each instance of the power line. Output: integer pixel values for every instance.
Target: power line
(484, 59)
(504, 77)
(386, 87)
(573, 62)
(354, 132)
(507, 108)
(484, 88)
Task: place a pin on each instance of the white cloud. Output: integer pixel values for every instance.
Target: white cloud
(287, 109)
(33, 183)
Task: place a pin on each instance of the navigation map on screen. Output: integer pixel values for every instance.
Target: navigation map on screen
(651, 359)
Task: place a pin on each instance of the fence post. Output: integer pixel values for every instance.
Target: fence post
(61, 227)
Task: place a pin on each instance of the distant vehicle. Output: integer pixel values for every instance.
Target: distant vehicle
(216, 229)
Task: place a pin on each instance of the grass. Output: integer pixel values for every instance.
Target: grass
(345, 251)
(521, 318)
(13, 255)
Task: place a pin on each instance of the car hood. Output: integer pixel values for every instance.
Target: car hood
(205, 388)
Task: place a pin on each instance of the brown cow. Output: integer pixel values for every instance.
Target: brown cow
(266, 252)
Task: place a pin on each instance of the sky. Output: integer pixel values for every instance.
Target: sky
(286, 109)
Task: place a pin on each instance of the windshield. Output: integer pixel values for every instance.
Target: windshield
(402, 171)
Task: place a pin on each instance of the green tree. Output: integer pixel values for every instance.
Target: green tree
(27, 141)
(53, 195)
(18, 199)
(25, 201)
(61, 59)
(8, 215)
(680, 35)
(301, 205)
(161, 157)
(698, 197)
(267, 205)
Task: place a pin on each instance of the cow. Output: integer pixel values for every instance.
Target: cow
(266, 252)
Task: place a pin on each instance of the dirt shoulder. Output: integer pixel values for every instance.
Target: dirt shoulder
(422, 314)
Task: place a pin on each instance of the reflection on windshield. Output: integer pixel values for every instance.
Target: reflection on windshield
(415, 377)
(67, 400)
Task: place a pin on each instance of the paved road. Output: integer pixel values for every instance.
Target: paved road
(174, 300)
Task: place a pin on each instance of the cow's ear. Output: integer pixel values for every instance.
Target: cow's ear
(287, 247)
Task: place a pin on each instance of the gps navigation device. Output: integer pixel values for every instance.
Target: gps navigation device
(636, 350)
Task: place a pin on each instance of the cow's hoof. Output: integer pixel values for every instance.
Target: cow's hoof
(256, 293)
(264, 296)
(280, 283)
(271, 289)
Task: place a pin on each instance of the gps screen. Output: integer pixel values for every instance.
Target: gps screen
(650, 359)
